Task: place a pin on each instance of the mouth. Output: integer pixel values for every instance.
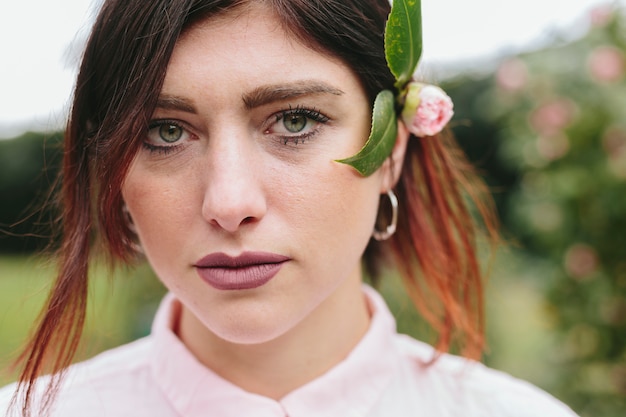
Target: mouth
(246, 271)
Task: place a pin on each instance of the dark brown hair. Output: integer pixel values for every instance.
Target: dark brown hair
(120, 78)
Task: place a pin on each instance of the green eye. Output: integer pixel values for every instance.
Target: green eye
(170, 133)
(295, 123)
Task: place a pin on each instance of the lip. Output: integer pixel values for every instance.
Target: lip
(246, 271)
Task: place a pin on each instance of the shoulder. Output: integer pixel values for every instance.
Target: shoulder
(115, 377)
(461, 385)
(115, 367)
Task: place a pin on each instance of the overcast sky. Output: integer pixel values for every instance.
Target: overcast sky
(40, 40)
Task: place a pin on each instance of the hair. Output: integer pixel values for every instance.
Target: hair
(121, 75)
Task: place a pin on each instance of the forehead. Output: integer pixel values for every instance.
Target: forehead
(249, 45)
(250, 23)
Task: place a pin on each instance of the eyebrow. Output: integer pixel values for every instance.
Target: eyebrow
(257, 97)
(168, 102)
(279, 92)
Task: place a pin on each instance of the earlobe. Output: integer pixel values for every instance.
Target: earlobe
(392, 167)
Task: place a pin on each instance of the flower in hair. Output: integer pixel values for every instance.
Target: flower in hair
(427, 109)
(403, 48)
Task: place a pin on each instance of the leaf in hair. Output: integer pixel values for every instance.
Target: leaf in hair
(382, 136)
(403, 40)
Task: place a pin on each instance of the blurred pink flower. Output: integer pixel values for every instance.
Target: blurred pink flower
(580, 261)
(427, 109)
(512, 75)
(606, 64)
(601, 15)
(550, 118)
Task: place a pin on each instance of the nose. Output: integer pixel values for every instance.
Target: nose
(234, 194)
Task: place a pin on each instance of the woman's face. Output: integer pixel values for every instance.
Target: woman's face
(236, 198)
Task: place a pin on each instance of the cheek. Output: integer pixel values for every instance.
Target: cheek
(333, 211)
(159, 206)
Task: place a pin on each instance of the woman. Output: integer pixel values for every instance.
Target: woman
(206, 135)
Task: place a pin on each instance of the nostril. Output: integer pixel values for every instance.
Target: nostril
(233, 202)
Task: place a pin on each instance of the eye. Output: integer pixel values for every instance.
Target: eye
(165, 135)
(165, 131)
(296, 124)
(170, 133)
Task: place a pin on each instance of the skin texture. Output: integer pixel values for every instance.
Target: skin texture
(237, 180)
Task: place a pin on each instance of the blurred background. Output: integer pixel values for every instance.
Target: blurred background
(540, 98)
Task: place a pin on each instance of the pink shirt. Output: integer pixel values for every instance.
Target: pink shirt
(383, 376)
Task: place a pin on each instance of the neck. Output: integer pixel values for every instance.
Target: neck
(275, 368)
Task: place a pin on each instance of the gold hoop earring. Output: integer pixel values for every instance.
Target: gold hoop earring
(391, 228)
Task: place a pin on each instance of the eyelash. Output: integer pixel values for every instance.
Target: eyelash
(310, 113)
(163, 150)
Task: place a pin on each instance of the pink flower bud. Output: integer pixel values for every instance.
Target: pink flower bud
(607, 64)
(580, 261)
(551, 117)
(601, 15)
(512, 75)
(427, 109)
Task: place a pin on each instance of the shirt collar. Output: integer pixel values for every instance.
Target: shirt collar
(351, 388)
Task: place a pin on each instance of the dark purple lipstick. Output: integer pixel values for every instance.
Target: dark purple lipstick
(246, 271)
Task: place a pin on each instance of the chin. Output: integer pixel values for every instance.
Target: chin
(251, 332)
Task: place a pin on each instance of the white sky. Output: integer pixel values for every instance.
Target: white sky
(39, 38)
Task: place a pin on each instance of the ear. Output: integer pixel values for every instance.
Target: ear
(392, 167)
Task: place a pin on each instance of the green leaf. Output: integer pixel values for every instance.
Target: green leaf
(382, 136)
(403, 39)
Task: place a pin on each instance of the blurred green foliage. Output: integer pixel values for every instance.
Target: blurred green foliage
(556, 121)
(28, 170)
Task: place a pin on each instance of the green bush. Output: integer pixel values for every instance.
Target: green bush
(555, 124)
